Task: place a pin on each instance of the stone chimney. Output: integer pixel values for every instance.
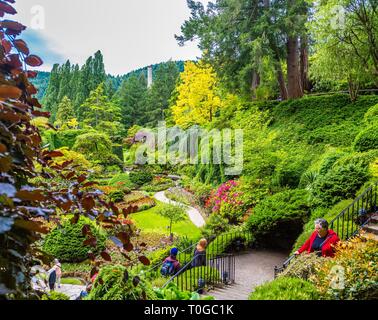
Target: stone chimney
(149, 77)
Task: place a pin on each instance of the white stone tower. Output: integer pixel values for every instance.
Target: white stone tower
(149, 77)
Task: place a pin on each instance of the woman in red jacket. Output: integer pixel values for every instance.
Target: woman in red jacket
(321, 241)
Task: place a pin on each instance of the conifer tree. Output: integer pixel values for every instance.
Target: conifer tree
(65, 112)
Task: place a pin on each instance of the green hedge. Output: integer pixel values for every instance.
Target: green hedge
(285, 288)
(339, 183)
(278, 220)
(140, 177)
(66, 243)
(367, 139)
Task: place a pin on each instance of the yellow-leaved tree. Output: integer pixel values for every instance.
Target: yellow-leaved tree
(197, 98)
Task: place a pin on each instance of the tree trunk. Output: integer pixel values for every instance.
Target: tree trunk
(294, 80)
(255, 82)
(353, 90)
(306, 85)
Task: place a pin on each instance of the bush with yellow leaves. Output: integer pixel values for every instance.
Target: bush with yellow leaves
(352, 274)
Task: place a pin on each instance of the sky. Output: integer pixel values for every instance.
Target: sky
(130, 33)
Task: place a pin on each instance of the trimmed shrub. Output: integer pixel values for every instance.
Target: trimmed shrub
(367, 139)
(285, 288)
(278, 220)
(116, 196)
(115, 282)
(341, 182)
(371, 116)
(140, 177)
(66, 242)
(98, 148)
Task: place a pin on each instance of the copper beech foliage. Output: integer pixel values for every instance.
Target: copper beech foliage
(24, 206)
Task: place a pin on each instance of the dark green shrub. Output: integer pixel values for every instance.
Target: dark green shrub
(342, 182)
(140, 177)
(66, 243)
(284, 288)
(228, 242)
(367, 139)
(215, 226)
(278, 220)
(116, 196)
(118, 151)
(55, 296)
(67, 138)
(98, 148)
(115, 282)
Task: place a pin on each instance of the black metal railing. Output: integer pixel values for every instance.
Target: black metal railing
(217, 270)
(235, 241)
(349, 221)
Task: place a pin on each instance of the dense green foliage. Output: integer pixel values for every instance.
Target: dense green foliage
(285, 288)
(115, 282)
(367, 139)
(55, 296)
(66, 243)
(74, 82)
(352, 274)
(140, 178)
(277, 219)
(97, 147)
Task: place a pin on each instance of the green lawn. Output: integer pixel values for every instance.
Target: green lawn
(149, 220)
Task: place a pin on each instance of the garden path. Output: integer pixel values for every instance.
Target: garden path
(252, 269)
(194, 215)
(73, 291)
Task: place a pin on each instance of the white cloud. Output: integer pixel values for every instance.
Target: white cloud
(130, 33)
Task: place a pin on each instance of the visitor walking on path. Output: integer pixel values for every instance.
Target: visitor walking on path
(52, 278)
(58, 271)
(321, 241)
(200, 254)
(171, 265)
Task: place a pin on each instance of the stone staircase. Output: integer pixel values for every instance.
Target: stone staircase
(252, 269)
(371, 229)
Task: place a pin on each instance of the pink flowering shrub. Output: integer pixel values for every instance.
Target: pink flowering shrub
(227, 202)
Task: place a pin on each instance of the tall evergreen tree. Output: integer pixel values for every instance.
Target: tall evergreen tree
(65, 112)
(157, 102)
(98, 107)
(132, 98)
(237, 35)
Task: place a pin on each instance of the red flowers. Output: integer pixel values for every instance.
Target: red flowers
(224, 195)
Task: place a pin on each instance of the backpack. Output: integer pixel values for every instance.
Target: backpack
(52, 276)
(168, 268)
